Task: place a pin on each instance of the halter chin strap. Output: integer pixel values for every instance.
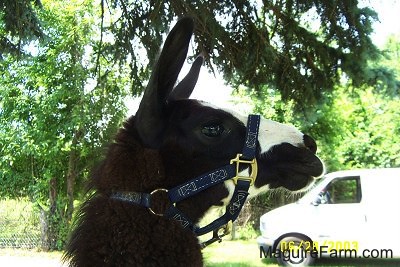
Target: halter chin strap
(202, 182)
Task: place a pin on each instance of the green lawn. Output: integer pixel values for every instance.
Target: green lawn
(247, 254)
(224, 254)
(235, 254)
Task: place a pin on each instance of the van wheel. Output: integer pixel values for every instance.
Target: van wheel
(295, 251)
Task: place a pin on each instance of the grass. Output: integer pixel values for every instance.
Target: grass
(31, 258)
(30, 253)
(225, 254)
(235, 254)
(247, 254)
(18, 217)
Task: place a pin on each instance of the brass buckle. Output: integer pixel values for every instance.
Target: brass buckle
(158, 190)
(253, 174)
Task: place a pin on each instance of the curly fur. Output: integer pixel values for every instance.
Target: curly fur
(115, 233)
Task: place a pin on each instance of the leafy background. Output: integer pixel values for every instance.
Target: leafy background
(67, 68)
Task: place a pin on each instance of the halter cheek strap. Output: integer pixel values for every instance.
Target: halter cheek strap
(202, 182)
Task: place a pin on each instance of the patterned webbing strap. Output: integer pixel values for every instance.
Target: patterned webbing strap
(203, 182)
(227, 172)
(224, 173)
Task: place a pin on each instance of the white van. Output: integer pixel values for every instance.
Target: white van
(348, 214)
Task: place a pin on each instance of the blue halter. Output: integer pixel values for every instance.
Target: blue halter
(202, 182)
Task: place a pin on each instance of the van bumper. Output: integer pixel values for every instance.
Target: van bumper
(265, 243)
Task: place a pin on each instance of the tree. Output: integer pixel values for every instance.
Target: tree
(65, 67)
(355, 127)
(19, 25)
(359, 126)
(57, 111)
(299, 48)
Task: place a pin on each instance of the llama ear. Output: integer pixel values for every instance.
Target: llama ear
(149, 119)
(185, 88)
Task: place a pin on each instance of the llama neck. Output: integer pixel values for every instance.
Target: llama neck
(129, 166)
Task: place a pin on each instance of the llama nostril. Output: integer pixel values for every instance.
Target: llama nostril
(310, 143)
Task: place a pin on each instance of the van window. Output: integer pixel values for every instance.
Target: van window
(343, 190)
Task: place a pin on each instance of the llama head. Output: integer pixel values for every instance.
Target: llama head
(193, 137)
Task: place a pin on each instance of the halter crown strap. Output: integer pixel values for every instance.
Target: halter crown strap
(250, 143)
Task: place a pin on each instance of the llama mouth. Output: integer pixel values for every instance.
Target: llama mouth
(288, 166)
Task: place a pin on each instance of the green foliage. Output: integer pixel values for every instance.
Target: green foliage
(373, 125)
(19, 25)
(355, 127)
(247, 232)
(57, 110)
(280, 44)
(358, 127)
(384, 73)
(46, 102)
(65, 67)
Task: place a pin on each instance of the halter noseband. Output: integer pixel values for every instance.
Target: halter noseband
(202, 182)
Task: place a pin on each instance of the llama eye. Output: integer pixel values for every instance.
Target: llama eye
(213, 130)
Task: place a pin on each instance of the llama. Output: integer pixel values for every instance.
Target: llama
(169, 142)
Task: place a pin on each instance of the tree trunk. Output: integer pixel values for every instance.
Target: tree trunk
(72, 173)
(48, 225)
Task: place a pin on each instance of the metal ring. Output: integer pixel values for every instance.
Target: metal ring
(151, 194)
